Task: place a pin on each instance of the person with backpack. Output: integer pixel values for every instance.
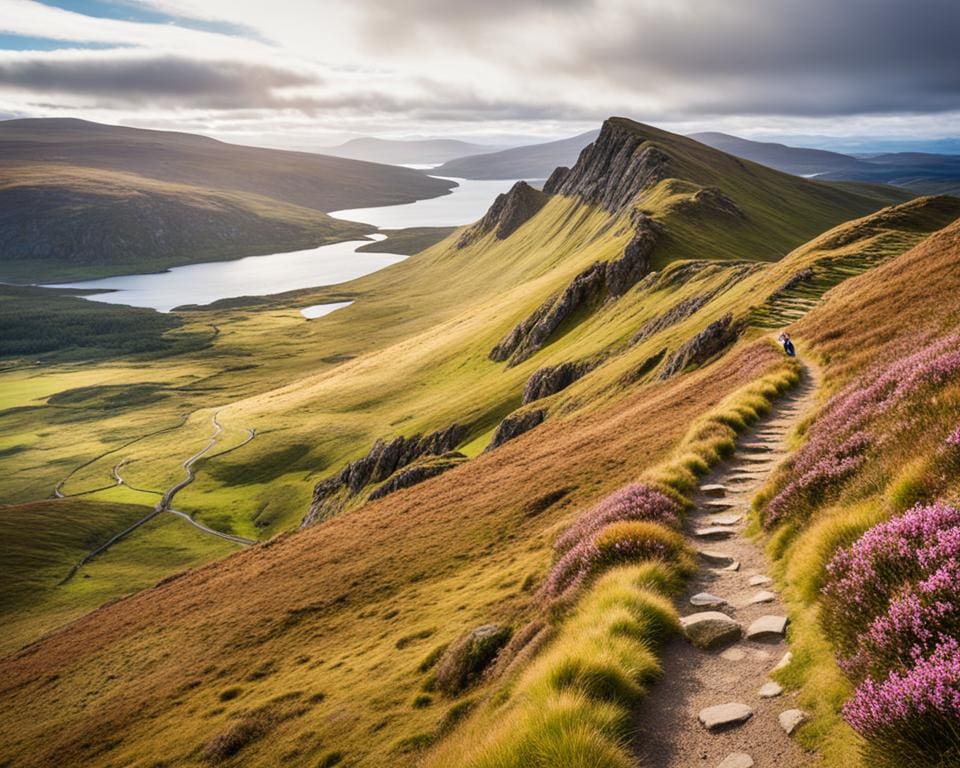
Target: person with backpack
(787, 344)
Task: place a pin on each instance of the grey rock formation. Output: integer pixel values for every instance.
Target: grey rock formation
(383, 459)
(552, 379)
(510, 210)
(795, 279)
(711, 201)
(594, 285)
(713, 339)
(620, 164)
(677, 313)
(515, 425)
(417, 473)
(465, 660)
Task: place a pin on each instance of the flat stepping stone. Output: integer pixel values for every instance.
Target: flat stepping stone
(763, 596)
(734, 654)
(757, 459)
(714, 533)
(713, 489)
(724, 716)
(770, 690)
(767, 627)
(791, 720)
(759, 580)
(731, 519)
(737, 760)
(734, 566)
(712, 557)
(706, 600)
(714, 505)
(784, 662)
(709, 629)
(758, 447)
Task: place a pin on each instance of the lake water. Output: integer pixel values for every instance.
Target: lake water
(279, 272)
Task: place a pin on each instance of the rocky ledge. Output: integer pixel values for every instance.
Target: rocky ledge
(594, 285)
(614, 169)
(510, 210)
(515, 425)
(552, 379)
(714, 338)
(383, 459)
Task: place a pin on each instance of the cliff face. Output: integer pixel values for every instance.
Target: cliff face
(595, 284)
(508, 213)
(713, 339)
(383, 459)
(614, 169)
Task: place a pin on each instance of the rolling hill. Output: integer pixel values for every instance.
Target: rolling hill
(407, 152)
(536, 161)
(81, 199)
(610, 329)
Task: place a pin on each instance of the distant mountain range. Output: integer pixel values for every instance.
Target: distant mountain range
(424, 151)
(919, 172)
(536, 161)
(81, 199)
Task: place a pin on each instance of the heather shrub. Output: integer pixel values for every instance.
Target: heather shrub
(636, 501)
(954, 438)
(891, 605)
(621, 542)
(840, 440)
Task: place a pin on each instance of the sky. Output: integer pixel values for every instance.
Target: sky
(300, 74)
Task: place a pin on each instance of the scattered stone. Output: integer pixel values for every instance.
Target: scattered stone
(734, 566)
(713, 557)
(731, 519)
(706, 600)
(734, 654)
(713, 489)
(792, 719)
(714, 533)
(709, 629)
(770, 690)
(724, 715)
(737, 760)
(763, 596)
(767, 627)
(759, 580)
(784, 662)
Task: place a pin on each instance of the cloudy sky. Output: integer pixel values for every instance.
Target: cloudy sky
(307, 73)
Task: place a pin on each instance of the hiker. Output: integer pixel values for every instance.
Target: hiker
(787, 344)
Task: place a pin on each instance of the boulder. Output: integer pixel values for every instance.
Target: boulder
(710, 629)
(724, 716)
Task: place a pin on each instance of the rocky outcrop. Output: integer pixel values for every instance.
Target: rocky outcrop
(509, 211)
(595, 284)
(383, 459)
(714, 338)
(711, 201)
(677, 313)
(553, 378)
(620, 164)
(515, 425)
(465, 660)
(638, 372)
(417, 473)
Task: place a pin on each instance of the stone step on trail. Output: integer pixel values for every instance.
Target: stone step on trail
(717, 504)
(731, 519)
(770, 690)
(737, 760)
(718, 559)
(707, 600)
(723, 716)
(759, 580)
(710, 629)
(763, 596)
(756, 447)
(714, 533)
(767, 627)
(713, 489)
